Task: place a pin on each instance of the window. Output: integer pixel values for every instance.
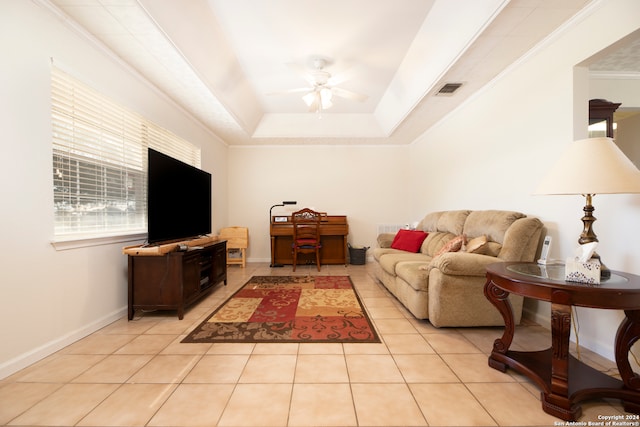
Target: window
(100, 162)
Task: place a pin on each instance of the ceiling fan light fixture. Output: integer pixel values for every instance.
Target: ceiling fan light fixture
(310, 98)
(325, 98)
(319, 99)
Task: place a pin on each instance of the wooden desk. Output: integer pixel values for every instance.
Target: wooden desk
(334, 230)
(565, 381)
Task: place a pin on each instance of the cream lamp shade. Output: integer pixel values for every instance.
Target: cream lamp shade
(591, 166)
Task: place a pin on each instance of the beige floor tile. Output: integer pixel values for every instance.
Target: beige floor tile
(129, 405)
(98, 344)
(269, 406)
(61, 368)
(474, 368)
(394, 326)
(450, 405)
(483, 338)
(315, 368)
(136, 372)
(378, 302)
(165, 369)
(322, 405)
(385, 313)
(194, 405)
(365, 348)
(276, 348)
(373, 369)
(231, 348)
(265, 368)
(147, 344)
(66, 406)
(217, 369)
(15, 398)
(174, 326)
(320, 348)
(451, 343)
(386, 405)
(177, 347)
(407, 344)
(113, 369)
(127, 327)
(424, 368)
(499, 400)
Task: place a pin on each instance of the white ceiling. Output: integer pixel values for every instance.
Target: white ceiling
(222, 60)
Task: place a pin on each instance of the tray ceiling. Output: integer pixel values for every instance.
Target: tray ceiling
(223, 60)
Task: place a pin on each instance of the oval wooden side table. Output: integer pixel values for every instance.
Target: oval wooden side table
(564, 380)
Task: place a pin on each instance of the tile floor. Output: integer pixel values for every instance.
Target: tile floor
(137, 373)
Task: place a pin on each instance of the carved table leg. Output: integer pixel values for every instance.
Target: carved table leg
(500, 299)
(628, 333)
(557, 401)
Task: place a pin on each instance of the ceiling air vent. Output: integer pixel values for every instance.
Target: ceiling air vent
(448, 89)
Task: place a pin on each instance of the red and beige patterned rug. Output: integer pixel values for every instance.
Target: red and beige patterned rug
(289, 309)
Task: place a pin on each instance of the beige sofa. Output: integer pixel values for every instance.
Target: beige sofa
(448, 289)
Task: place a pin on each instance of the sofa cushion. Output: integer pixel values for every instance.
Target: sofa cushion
(429, 222)
(385, 239)
(412, 273)
(408, 240)
(379, 252)
(434, 242)
(453, 222)
(389, 261)
(491, 223)
(491, 249)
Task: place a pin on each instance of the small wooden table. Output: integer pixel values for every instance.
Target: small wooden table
(565, 381)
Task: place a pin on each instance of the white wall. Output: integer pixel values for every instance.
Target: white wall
(51, 298)
(628, 137)
(510, 134)
(366, 183)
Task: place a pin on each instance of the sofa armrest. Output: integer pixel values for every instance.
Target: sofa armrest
(463, 263)
(385, 239)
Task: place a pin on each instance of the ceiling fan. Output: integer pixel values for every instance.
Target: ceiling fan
(318, 96)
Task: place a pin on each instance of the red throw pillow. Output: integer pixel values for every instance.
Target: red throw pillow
(409, 240)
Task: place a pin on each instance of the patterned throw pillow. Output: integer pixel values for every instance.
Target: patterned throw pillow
(475, 245)
(453, 245)
(409, 240)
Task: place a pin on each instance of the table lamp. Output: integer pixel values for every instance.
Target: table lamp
(589, 167)
(286, 202)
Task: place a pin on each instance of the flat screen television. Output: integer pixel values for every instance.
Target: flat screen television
(178, 199)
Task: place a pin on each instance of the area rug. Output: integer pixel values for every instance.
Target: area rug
(294, 309)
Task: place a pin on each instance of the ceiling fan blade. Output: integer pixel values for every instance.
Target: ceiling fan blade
(301, 71)
(343, 93)
(285, 92)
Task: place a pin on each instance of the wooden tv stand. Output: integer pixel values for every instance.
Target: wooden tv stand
(173, 280)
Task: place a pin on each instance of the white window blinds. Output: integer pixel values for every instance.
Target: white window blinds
(100, 161)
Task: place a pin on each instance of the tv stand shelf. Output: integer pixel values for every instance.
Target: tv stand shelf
(176, 279)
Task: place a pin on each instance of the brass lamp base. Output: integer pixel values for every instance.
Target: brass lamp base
(588, 236)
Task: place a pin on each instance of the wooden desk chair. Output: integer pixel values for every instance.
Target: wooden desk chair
(237, 241)
(306, 234)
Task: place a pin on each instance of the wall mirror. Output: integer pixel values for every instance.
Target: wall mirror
(614, 93)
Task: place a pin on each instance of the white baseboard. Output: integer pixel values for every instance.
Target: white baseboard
(29, 358)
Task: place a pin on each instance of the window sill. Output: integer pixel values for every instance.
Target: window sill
(76, 242)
